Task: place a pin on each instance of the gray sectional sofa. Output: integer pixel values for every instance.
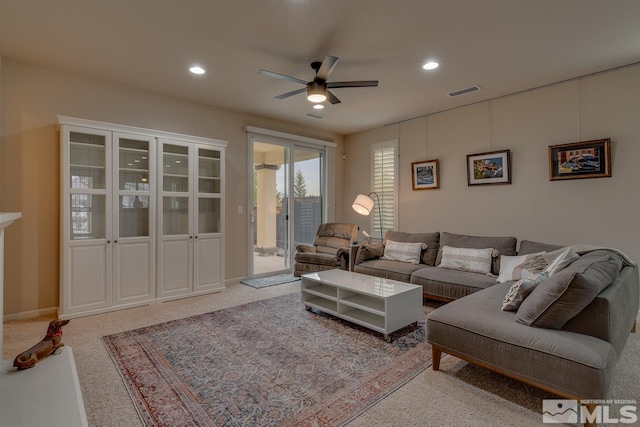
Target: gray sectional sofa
(565, 338)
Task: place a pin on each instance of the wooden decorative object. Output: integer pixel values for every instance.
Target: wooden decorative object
(47, 346)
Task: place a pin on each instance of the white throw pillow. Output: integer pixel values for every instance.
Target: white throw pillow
(465, 259)
(562, 261)
(521, 289)
(404, 252)
(520, 267)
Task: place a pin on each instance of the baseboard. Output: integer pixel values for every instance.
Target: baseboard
(236, 280)
(29, 314)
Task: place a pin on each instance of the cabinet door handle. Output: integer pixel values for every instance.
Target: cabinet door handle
(108, 241)
(115, 241)
(191, 237)
(196, 237)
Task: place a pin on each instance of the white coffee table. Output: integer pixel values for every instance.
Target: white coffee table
(379, 304)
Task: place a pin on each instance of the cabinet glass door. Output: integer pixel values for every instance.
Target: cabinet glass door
(175, 186)
(208, 191)
(133, 187)
(88, 178)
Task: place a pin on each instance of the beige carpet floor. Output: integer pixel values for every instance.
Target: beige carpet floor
(458, 395)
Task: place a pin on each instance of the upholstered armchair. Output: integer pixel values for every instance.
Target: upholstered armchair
(330, 249)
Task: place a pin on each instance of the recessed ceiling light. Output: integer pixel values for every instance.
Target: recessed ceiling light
(196, 69)
(431, 65)
(318, 106)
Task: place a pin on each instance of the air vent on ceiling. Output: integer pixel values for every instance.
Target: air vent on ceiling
(315, 116)
(463, 91)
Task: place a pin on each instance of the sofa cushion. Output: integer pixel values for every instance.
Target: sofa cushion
(332, 236)
(369, 251)
(317, 258)
(565, 294)
(394, 270)
(450, 284)
(430, 239)
(559, 262)
(520, 266)
(476, 327)
(521, 289)
(465, 259)
(403, 251)
(503, 245)
(529, 247)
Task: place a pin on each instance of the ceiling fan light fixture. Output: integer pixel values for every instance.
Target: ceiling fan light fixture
(316, 92)
(318, 106)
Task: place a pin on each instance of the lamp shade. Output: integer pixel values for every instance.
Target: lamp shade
(363, 204)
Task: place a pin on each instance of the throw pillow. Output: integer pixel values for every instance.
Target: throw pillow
(403, 252)
(466, 259)
(520, 267)
(369, 251)
(521, 289)
(566, 257)
(562, 296)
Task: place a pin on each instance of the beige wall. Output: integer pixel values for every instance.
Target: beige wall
(594, 211)
(32, 97)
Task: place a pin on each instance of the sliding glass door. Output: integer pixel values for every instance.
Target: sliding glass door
(287, 203)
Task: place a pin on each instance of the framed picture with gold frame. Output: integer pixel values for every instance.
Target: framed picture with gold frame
(425, 175)
(578, 160)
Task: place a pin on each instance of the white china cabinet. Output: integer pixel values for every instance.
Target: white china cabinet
(142, 216)
(190, 249)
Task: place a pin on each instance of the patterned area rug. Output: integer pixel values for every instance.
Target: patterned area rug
(264, 282)
(266, 363)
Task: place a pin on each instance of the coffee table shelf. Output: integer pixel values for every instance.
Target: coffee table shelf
(322, 304)
(382, 305)
(364, 318)
(323, 291)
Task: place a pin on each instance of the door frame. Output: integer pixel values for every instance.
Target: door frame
(290, 141)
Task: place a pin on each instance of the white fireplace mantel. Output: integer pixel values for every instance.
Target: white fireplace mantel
(6, 219)
(47, 394)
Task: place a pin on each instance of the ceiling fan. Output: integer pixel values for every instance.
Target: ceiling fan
(318, 89)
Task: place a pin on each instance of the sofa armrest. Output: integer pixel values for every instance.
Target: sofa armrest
(305, 248)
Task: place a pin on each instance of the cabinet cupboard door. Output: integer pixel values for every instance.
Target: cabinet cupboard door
(208, 242)
(134, 218)
(86, 229)
(175, 250)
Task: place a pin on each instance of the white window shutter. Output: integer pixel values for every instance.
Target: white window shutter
(385, 184)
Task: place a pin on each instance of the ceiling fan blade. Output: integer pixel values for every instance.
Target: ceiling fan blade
(361, 83)
(332, 98)
(281, 77)
(327, 67)
(288, 94)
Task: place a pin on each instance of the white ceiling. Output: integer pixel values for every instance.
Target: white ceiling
(504, 46)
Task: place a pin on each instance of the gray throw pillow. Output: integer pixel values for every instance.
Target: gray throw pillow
(503, 246)
(367, 252)
(562, 296)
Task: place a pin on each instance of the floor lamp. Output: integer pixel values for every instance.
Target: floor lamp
(364, 204)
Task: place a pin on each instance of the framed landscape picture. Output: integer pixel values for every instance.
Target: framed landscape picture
(425, 175)
(493, 167)
(588, 159)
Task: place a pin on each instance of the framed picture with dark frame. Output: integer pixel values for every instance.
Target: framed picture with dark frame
(493, 167)
(578, 160)
(425, 175)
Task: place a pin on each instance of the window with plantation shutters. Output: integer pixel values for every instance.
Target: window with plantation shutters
(384, 181)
